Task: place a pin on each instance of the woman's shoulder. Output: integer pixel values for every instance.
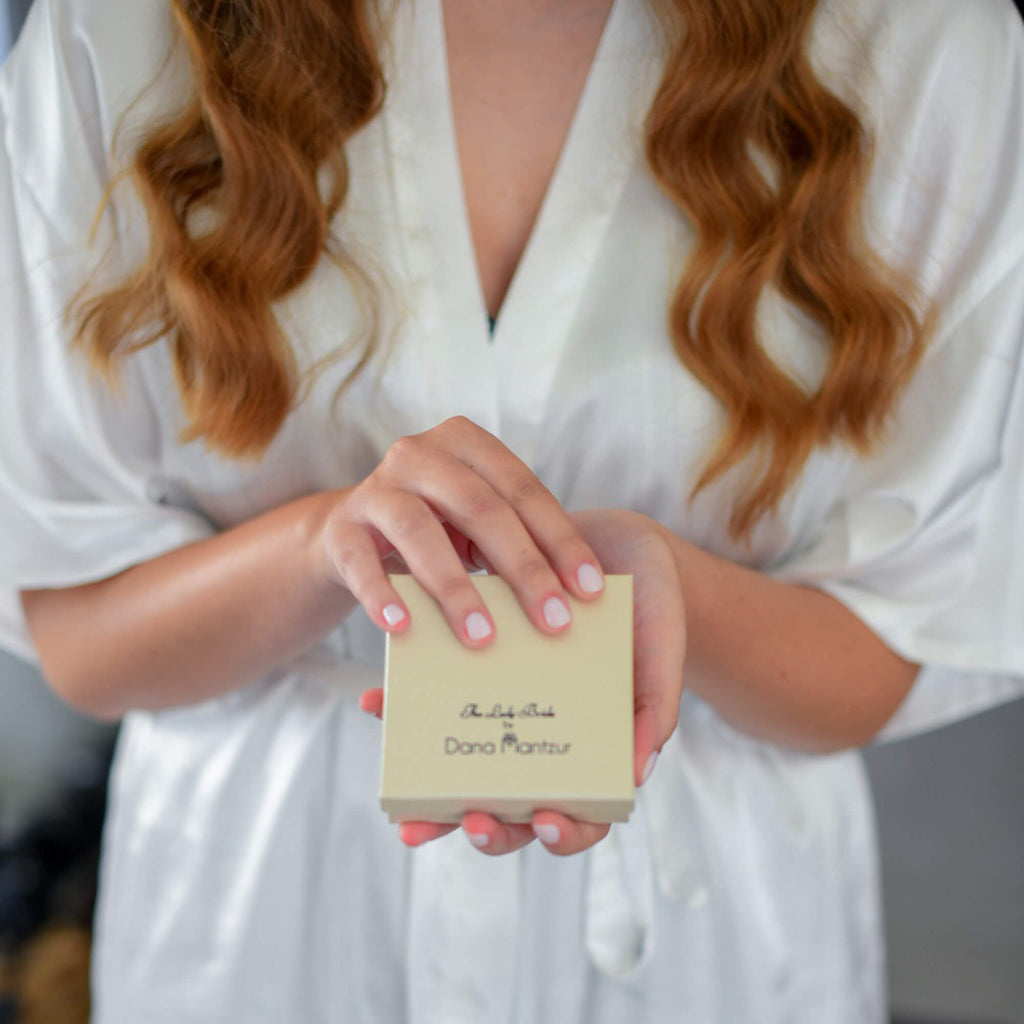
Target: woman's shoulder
(925, 21)
(940, 84)
(82, 72)
(108, 47)
(913, 47)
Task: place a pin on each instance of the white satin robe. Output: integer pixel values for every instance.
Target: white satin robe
(248, 874)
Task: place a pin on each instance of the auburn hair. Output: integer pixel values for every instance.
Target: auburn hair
(763, 159)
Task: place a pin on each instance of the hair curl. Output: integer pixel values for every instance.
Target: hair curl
(238, 215)
(739, 88)
(281, 85)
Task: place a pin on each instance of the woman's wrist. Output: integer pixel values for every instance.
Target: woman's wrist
(784, 662)
(313, 522)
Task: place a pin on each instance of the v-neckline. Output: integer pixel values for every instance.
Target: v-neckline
(512, 370)
(448, 109)
(461, 169)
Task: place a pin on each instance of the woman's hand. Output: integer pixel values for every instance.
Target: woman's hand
(211, 616)
(625, 542)
(449, 498)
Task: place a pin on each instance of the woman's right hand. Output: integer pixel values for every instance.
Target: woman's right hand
(451, 497)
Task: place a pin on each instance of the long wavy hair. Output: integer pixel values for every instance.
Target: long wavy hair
(763, 159)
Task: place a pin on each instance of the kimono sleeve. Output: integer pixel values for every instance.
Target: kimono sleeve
(924, 541)
(80, 495)
(926, 546)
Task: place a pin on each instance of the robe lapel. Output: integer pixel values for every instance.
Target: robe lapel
(602, 149)
(505, 384)
(449, 328)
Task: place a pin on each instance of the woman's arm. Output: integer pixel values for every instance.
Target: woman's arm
(780, 662)
(783, 662)
(218, 614)
(193, 623)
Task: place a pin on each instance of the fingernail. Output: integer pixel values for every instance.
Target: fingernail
(478, 839)
(649, 767)
(556, 613)
(477, 626)
(547, 834)
(590, 580)
(393, 614)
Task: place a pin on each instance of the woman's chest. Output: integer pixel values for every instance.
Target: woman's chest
(603, 411)
(579, 379)
(515, 82)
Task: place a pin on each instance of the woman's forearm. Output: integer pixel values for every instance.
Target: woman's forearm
(193, 623)
(782, 662)
(217, 614)
(785, 663)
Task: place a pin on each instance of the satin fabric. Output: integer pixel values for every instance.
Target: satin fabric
(248, 873)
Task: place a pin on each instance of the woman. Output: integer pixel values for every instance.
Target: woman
(807, 466)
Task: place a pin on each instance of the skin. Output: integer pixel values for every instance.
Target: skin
(516, 73)
(218, 614)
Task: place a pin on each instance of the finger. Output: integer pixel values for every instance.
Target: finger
(565, 836)
(572, 558)
(647, 741)
(471, 508)
(494, 837)
(408, 523)
(372, 702)
(659, 653)
(416, 833)
(356, 558)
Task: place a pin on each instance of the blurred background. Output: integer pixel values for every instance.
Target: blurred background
(950, 808)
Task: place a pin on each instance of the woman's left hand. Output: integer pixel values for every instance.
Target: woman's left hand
(628, 543)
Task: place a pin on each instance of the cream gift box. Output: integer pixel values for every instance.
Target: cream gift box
(530, 722)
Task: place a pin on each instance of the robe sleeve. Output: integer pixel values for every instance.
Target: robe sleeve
(926, 547)
(924, 543)
(80, 491)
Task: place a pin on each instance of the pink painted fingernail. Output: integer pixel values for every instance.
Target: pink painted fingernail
(478, 839)
(556, 613)
(547, 834)
(477, 626)
(590, 580)
(649, 767)
(393, 614)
